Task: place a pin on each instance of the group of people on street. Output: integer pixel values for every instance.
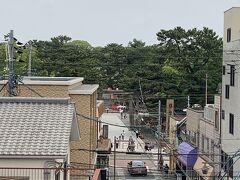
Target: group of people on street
(161, 167)
(148, 146)
(121, 137)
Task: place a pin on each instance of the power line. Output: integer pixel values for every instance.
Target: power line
(153, 153)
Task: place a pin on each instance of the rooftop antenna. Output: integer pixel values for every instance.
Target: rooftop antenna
(12, 78)
(10, 64)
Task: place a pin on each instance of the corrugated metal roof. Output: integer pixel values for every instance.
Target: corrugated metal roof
(35, 126)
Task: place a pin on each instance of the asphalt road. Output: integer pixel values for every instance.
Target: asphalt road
(123, 158)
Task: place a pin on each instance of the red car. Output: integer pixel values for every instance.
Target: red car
(137, 167)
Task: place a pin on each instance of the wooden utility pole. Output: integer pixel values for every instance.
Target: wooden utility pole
(159, 133)
(30, 59)
(114, 160)
(206, 90)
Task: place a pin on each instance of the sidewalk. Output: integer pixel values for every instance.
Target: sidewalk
(115, 131)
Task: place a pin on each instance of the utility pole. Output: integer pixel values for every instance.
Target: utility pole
(159, 132)
(188, 101)
(10, 85)
(30, 59)
(206, 90)
(131, 114)
(65, 170)
(114, 160)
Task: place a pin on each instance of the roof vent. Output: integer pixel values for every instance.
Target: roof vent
(196, 106)
(210, 105)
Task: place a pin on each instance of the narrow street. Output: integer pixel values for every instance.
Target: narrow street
(122, 158)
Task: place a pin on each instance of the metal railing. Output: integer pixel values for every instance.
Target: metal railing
(7, 173)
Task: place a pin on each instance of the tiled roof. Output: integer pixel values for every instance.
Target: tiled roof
(35, 126)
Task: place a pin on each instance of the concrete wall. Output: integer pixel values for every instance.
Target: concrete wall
(231, 20)
(193, 125)
(193, 119)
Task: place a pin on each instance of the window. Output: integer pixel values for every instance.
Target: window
(228, 34)
(227, 91)
(232, 75)
(202, 143)
(212, 150)
(231, 123)
(223, 114)
(207, 145)
(216, 120)
(223, 70)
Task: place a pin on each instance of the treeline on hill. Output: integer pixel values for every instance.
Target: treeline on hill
(175, 67)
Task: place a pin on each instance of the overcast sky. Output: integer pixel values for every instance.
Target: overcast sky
(101, 22)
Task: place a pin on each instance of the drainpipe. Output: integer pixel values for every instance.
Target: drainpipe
(65, 170)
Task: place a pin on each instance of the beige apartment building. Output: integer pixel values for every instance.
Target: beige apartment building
(85, 98)
(230, 125)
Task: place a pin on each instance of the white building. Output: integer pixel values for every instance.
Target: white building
(230, 141)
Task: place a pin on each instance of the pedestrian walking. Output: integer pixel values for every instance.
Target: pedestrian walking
(151, 146)
(137, 134)
(166, 168)
(160, 163)
(122, 136)
(117, 142)
(130, 139)
(121, 113)
(146, 147)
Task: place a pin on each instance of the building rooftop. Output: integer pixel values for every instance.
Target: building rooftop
(84, 89)
(232, 8)
(36, 126)
(49, 80)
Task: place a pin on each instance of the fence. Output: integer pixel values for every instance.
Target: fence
(45, 173)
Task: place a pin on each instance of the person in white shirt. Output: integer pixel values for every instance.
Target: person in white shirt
(137, 133)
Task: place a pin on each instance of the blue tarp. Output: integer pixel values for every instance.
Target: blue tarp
(187, 154)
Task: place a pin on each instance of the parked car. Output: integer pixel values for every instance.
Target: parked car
(137, 167)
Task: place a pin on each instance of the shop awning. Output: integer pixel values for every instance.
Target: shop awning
(200, 167)
(187, 154)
